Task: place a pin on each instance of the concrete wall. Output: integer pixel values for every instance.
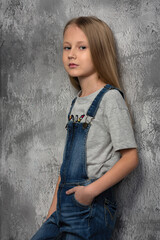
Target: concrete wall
(35, 95)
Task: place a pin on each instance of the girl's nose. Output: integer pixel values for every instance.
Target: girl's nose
(72, 54)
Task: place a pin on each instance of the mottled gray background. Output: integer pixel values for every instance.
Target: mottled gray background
(35, 95)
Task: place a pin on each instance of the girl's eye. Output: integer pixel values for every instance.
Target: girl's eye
(66, 48)
(82, 47)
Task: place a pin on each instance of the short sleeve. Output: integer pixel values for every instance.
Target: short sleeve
(118, 121)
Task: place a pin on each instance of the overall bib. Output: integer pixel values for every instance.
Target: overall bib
(73, 220)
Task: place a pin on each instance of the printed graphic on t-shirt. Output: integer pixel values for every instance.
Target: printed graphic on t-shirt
(76, 118)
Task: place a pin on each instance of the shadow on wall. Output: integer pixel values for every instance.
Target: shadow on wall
(18, 211)
(127, 192)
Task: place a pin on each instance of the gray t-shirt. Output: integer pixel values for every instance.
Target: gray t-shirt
(110, 131)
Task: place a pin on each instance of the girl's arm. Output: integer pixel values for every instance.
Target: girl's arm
(127, 162)
(121, 169)
(54, 201)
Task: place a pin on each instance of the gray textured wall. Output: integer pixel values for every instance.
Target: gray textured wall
(35, 94)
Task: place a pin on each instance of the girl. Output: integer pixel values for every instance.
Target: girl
(100, 148)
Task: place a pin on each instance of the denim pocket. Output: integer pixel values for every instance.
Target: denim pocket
(78, 203)
(110, 209)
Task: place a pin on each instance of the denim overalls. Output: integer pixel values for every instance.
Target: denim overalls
(73, 220)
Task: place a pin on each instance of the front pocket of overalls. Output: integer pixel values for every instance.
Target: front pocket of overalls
(78, 203)
(110, 209)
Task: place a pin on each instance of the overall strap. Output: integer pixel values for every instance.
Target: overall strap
(95, 104)
(73, 101)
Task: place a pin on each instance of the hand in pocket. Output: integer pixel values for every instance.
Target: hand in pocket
(81, 195)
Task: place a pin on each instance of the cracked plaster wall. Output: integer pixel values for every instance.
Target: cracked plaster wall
(35, 95)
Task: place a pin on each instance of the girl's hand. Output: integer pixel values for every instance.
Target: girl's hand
(81, 195)
(51, 211)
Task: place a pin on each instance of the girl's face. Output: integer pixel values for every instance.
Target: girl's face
(77, 58)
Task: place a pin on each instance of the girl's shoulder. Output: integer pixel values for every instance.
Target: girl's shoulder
(113, 99)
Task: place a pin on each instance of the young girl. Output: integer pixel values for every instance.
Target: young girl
(100, 148)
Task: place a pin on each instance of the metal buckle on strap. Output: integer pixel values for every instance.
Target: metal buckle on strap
(87, 122)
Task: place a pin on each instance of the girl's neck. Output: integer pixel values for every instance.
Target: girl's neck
(89, 87)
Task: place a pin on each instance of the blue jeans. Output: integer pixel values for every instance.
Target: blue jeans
(76, 221)
(73, 220)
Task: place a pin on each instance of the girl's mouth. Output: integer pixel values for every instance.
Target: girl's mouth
(72, 65)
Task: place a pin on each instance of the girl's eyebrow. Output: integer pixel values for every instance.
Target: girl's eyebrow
(77, 42)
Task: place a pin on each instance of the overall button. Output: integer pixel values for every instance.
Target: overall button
(85, 125)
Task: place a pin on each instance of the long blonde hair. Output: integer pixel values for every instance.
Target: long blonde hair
(103, 51)
(102, 47)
